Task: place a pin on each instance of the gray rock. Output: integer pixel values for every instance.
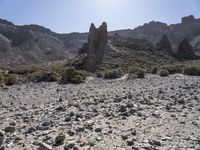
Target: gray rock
(60, 139)
(155, 142)
(94, 50)
(98, 129)
(71, 132)
(122, 108)
(2, 147)
(10, 129)
(60, 108)
(69, 145)
(130, 142)
(165, 45)
(2, 137)
(185, 51)
(44, 146)
(181, 101)
(67, 119)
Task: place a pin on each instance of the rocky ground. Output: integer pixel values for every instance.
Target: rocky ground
(146, 114)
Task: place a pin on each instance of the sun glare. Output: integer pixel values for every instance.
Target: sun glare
(108, 4)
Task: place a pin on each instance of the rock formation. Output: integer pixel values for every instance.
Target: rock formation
(153, 31)
(4, 44)
(185, 51)
(95, 48)
(165, 45)
(188, 19)
(33, 44)
(196, 45)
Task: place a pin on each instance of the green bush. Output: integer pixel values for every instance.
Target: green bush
(112, 74)
(163, 73)
(136, 73)
(192, 70)
(70, 75)
(43, 76)
(140, 73)
(154, 70)
(10, 79)
(173, 69)
(99, 74)
(23, 70)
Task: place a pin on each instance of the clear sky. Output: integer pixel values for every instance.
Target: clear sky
(65, 16)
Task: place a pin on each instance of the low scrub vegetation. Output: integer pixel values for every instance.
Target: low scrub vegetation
(182, 69)
(163, 73)
(154, 70)
(7, 79)
(70, 75)
(192, 70)
(23, 70)
(43, 76)
(173, 69)
(10, 79)
(112, 74)
(99, 74)
(136, 73)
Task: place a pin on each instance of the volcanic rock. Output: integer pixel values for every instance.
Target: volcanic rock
(94, 50)
(4, 43)
(45, 146)
(2, 137)
(165, 45)
(185, 51)
(188, 19)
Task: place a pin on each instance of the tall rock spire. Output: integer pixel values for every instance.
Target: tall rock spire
(95, 48)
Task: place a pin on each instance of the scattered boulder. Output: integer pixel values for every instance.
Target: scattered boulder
(155, 142)
(69, 145)
(98, 129)
(44, 146)
(60, 139)
(71, 132)
(2, 137)
(9, 129)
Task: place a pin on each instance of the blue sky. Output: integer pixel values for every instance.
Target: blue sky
(65, 16)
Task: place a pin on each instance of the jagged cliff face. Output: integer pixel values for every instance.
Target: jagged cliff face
(164, 45)
(189, 28)
(32, 44)
(185, 51)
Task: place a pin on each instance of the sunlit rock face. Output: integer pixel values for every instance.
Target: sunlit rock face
(95, 49)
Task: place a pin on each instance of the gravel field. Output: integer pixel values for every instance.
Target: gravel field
(155, 113)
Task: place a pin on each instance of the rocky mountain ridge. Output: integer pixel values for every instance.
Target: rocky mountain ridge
(33, 44)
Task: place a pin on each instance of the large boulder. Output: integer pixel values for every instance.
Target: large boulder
(185, 51)
(94, 50)
(165, 45)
